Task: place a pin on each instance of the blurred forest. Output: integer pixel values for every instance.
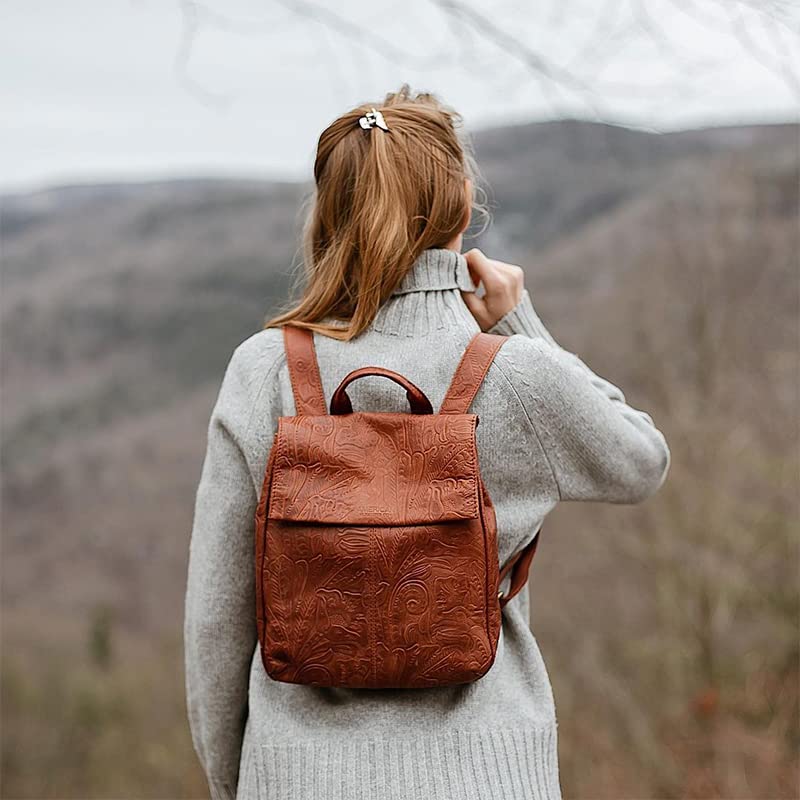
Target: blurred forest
(668, 262)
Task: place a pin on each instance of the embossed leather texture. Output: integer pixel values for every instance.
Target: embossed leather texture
(375, 469)
(376, 541)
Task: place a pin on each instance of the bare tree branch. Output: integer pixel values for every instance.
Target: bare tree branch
(365, 37)
(780, 66)
(511, 45)
(197, 16)
(191, 23)
(615, 27)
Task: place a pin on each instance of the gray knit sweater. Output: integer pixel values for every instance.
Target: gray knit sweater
(550, 430)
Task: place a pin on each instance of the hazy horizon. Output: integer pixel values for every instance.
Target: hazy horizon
(205, 173)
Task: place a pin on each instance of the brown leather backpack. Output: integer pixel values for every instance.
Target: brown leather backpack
(376, 541)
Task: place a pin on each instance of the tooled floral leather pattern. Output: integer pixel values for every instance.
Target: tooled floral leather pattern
(376, 542)
(365, 604)
(304, 371)
(375, 469)
(470, 372)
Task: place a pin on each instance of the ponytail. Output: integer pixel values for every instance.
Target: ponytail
(382, 197)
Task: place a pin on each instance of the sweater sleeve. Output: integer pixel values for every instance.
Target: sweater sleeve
(598, 447)
(219, 623)
(524, 320)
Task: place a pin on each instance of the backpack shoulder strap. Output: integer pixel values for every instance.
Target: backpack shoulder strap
(518, 567)
(470, 372)
(309, 399)
(467, 379)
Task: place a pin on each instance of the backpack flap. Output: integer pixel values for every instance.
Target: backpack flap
(375, 469)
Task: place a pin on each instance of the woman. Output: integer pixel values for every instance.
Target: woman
(387, 285)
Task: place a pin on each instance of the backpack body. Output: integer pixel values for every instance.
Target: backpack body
(376, 541)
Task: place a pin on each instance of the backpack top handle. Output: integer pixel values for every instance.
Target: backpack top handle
(340, 402)
(309, 397)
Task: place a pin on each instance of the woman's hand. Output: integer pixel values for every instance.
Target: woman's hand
(503, 285)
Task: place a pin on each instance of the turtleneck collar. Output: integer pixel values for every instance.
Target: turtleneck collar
(435, 270)
(428, 299)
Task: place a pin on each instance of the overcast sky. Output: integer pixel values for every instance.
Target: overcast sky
(135, 89)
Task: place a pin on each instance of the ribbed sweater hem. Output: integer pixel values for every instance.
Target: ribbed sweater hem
(519, 764)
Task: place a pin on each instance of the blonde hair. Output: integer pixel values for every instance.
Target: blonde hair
(381, 198)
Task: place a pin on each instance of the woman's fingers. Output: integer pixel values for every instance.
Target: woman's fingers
(503, 284)
(477, 307)
(484, 269)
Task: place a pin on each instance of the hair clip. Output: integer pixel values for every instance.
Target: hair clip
(373, 119)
